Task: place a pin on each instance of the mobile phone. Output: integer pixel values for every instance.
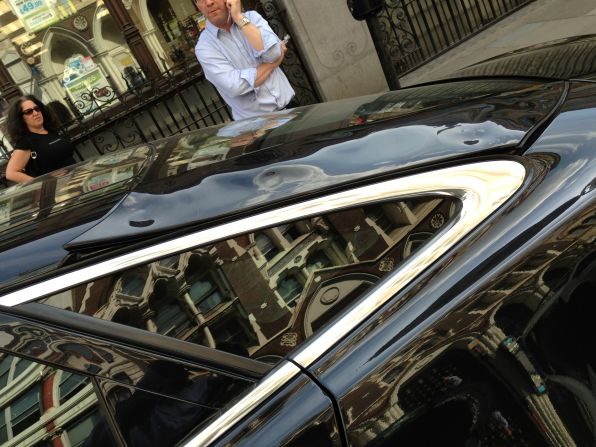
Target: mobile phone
(286, 39)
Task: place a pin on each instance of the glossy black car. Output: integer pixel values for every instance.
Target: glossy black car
(410, 268)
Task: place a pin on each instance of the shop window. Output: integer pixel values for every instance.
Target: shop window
(227, 299)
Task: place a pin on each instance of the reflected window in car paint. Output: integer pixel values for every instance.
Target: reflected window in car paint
(231, 296)
(403, 102)
(216, 143)
(33, 406)
(22, 203)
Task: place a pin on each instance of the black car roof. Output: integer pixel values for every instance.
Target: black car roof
(240, 166)
(318, 147)
(568, 58)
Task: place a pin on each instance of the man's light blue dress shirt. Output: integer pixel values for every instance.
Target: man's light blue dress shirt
(229, 63)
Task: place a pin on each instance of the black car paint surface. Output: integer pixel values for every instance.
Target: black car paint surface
(492, 344)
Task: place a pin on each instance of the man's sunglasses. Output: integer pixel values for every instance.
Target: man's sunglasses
(31, 110)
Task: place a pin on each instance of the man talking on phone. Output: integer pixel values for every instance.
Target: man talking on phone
(241, 56)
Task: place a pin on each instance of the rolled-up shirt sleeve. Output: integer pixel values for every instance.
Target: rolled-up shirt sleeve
(231, 64)
(271, 44)
(221, 73)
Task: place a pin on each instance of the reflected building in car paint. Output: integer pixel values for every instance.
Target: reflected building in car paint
(445, 382)
(42, 406)
(261, 294)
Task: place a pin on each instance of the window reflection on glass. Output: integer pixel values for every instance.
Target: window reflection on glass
(37, 401)
(70, 384)
(133, 285)
(289, 232)
(266, 246)
(22, 203)
(289, 288)
(378, 215)
(171, 262)
(317, 261)
(205, 295)
(262, 294)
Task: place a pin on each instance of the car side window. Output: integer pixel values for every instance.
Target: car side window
(263, 293)
(41, 405)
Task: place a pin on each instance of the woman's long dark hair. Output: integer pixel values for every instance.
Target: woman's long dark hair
(15, 125)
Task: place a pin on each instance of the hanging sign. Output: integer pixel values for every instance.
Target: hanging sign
(36, 15)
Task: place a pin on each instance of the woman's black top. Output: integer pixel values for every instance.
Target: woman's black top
(48, 152)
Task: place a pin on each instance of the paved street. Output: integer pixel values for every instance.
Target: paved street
(541, 21)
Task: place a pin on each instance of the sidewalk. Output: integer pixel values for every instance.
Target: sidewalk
(540, 21)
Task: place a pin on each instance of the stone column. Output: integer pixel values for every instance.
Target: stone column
(8, 87)
(341, 59)
(133, 38)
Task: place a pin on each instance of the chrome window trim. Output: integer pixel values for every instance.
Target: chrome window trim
(486, 184)
(482, 187)
(282, 374)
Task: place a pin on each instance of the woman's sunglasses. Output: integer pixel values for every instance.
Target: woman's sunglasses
(31, 110)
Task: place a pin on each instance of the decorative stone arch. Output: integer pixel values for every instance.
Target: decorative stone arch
(145, 15)
(150, 32)
(96, 30)
(53, 35)
(111, 53)
(59, 39)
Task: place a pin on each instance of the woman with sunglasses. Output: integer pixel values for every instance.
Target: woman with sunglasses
(38, 149)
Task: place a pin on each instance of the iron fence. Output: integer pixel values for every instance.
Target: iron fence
(411, 32)
(103, 120)
(293, 64)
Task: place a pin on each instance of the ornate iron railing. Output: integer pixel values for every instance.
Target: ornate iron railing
(177, 101)
(411, 32)
(293, 64)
